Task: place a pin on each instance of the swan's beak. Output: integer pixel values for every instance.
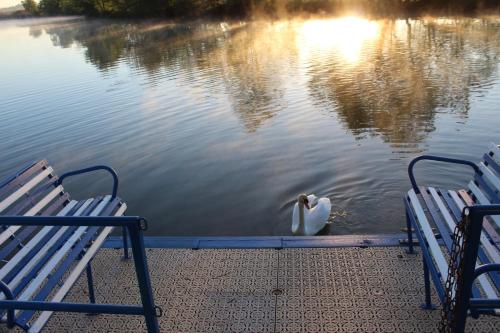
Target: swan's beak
(306, 203)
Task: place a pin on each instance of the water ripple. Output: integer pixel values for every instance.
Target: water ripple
(215, 128)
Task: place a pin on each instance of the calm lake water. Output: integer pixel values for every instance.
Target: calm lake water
(215, 128)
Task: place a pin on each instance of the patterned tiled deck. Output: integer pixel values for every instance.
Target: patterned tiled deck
(289, 290)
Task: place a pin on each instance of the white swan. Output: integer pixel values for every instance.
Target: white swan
(308, 220)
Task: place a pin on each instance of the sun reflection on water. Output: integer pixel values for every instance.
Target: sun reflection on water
(346, 35)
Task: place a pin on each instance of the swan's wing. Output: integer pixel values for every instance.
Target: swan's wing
(318, 216)
(295, 218)
(312, 199)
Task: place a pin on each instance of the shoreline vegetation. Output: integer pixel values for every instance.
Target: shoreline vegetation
(274, 9)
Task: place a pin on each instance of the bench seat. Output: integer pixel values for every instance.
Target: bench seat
(40, 263)
(441, 210)
(430, 209)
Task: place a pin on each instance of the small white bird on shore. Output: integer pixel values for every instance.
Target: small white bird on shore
(309, 217)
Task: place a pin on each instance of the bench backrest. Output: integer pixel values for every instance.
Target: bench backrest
(32, 191)
(486, 186)
(442, 209)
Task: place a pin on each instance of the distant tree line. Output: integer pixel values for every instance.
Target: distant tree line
(243, 8)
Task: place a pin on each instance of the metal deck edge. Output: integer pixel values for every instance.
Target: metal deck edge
(259, 242)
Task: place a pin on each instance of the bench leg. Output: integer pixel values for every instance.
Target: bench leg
(427, 283)
(125, 243)
(410, 235)
(141, 269)
(90, 283)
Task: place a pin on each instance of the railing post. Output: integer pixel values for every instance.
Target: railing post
(464, 285)
(141, 269)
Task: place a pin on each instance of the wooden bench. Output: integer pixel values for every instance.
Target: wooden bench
(477, 289)
(48, 240)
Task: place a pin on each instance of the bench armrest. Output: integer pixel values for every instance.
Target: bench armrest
(486, 268)
(91, 169)
(438, 159)
(88, 221)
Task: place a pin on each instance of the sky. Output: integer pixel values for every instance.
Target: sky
(8, 3)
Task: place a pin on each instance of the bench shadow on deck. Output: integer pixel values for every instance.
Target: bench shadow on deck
(350, 289)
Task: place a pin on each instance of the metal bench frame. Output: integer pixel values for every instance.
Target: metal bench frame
(132, 227)
(476, 215)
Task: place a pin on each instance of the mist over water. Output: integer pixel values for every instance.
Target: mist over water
(215, 127)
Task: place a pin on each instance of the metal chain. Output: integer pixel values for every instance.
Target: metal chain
(454, 278)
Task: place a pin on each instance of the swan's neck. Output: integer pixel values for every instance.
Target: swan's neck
(302, 225)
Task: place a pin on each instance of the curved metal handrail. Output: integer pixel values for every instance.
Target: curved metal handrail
(438, 159)
(90, 169)
(485, 269)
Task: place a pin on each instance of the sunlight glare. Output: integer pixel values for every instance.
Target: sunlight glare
(347, 35)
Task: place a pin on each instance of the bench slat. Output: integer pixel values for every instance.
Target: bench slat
(24, 276)
(59, 240)
(485, 188)
(477, 193)
(451, 204)
(55, 276)
(25, 188)
(434, 211)
(434, 249)
(442, 208)
(25, 250)
(491, 163)
(10, 182)
(45, 201)
(466, 198)
(59, 255)
(491, 232)
(54, 257)
(487, 253)
(56, 205)
(483, 281)
(89, 209)
(30, 198)
(491, 250)
(481, 199)
(494, 152)
(494, 276)
(490, 176)
(10, 231)
(40, 322)
(488, 228)
(14, 244)
(110, 208)
(60, 235)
